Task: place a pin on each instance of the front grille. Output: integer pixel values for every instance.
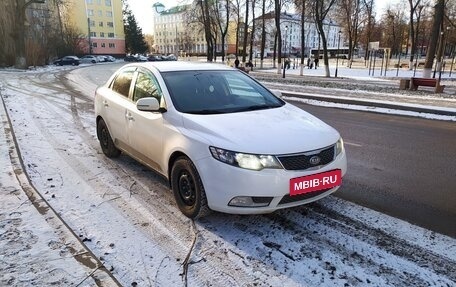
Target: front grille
(302, 161)
(295, 198)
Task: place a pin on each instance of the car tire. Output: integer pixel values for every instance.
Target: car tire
(93, 61)
(188, 189)
(106, 143)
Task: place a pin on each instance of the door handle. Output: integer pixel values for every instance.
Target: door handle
(129, 117)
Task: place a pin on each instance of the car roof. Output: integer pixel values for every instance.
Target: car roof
(170, 66)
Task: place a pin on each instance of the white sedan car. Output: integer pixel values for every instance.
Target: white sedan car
(224, 141)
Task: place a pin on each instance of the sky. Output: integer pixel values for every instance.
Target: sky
(142, 9)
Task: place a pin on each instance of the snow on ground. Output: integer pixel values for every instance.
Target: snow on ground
(373, 109)
(35, 247)
(361, 73)
(126, 216)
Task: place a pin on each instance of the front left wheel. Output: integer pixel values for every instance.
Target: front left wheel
(188, 189)
(106, 143)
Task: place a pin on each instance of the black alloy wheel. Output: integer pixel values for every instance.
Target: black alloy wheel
(188, 189)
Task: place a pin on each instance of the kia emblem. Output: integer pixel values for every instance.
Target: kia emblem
(314, 160)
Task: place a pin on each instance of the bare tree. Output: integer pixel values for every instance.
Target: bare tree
(350, 21)
(237, 11)
(246, 28)
(263, 32)
(301, 7)
(277, 10)
(439, 9)
(395, 21)
(6, 25)
(415, 10)
(320, 10)
(207, 22)
(223, 19)
(252, 33)
(369, 6)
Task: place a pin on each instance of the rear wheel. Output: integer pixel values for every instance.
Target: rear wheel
(106, 143)
(188, 189)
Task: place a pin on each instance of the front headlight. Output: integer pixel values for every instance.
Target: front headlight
(244, 160)
(339, 146)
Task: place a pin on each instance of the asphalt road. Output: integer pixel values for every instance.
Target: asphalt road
(398, 165)
(401, 166)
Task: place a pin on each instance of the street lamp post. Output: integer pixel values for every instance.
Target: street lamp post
(285, 44)
(337, 56)
(438, 66)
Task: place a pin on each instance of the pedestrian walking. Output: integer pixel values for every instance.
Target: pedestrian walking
(316, 63)
(236, 63)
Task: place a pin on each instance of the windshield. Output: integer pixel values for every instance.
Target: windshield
(217, 92)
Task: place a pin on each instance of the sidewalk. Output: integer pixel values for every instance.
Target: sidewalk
(354, 89)
(36, 247)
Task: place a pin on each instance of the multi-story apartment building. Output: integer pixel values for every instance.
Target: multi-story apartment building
(290, 26)
(102, 23)
(177, 32)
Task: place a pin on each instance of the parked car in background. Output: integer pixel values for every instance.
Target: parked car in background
(170, 57)
(130, 58)
(187, 121)
(110, 58)
(67, 60)
(135, 58)
(102, 58)
(89, 59)
(154, 58)
(141, 58)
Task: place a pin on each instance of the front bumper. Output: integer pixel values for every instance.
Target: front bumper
(223, 182)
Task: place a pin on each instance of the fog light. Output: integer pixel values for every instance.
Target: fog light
(248, 201)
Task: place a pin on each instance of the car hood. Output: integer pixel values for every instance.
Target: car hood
(283, 130)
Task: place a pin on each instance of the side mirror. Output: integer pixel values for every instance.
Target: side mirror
(149, 104)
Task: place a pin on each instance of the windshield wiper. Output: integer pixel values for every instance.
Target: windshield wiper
(257, 107)
(206, 112)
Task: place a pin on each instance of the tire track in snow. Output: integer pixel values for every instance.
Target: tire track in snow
(217, 274)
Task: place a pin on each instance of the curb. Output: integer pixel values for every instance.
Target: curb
(396, 106)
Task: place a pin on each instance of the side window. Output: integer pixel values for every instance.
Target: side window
(122, 82)
(146, 86)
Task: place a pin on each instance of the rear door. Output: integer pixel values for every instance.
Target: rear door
(114, 104)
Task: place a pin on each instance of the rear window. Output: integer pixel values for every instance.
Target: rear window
(122, 82)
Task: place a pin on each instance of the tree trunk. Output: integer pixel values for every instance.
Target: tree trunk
(325, 49)
(277, 5)
(263, 33)
(19, 35)
(246, 27)
(438, 20)
(303, 42)
(252, 34)
(274, 54)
